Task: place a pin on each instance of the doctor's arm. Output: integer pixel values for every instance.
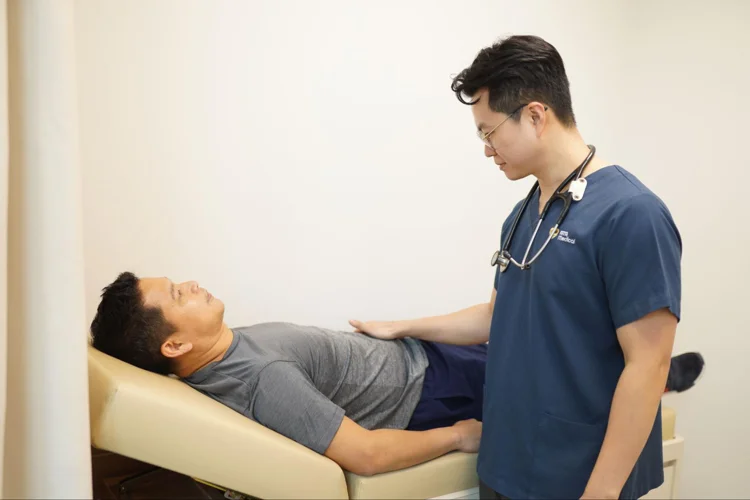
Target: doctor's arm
(647, 346)
(640, 254)
(468, 326)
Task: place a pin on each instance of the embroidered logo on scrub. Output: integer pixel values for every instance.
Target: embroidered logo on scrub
(563, 236)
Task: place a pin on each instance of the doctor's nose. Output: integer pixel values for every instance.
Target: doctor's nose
(488, 151)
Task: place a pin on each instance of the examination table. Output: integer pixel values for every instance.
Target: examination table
(164, 422)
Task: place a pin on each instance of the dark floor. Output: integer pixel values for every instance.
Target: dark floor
(109, 469)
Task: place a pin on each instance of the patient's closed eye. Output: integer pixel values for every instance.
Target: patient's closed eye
(175, 292)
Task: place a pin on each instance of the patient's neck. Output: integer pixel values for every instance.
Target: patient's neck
(215, 351)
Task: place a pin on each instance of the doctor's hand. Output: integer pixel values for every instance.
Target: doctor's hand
(385, 330)
(470, 433)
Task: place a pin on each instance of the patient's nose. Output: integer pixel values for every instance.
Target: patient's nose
(191, 286)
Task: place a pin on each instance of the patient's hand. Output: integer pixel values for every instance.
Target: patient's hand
(470, 432)
(385, 330)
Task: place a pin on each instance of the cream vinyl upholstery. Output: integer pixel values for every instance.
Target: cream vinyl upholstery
(668, 419)
(164, 422)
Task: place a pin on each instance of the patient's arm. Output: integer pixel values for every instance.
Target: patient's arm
(287, 401)
(465, 327)
(366, 452)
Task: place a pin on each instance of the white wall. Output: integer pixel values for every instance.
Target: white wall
(307, 161)
(686, 134)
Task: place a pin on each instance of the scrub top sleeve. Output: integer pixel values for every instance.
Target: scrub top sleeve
(640, 256)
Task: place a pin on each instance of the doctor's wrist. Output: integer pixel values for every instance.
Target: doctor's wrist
(600, 491)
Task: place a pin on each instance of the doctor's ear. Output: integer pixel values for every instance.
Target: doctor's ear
(537, 112)
(173, 348)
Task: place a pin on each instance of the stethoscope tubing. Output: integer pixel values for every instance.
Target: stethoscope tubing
(566, 197)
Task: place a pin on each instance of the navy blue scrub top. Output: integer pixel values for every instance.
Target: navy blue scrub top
(554, 359)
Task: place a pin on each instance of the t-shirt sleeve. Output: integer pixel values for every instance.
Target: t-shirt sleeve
(287, 402)
(640, 260)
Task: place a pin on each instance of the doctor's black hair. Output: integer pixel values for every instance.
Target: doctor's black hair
(126, 329)
(518, 70)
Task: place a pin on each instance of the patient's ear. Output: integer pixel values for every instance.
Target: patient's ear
(173, 348)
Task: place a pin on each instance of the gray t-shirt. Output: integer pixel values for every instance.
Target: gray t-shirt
(301, 380)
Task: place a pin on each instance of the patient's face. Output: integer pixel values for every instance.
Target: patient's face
(196, 314)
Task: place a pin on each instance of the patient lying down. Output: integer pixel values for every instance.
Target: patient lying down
(370, 405)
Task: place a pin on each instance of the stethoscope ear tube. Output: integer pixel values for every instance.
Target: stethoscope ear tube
(575, 192)
(517, 218)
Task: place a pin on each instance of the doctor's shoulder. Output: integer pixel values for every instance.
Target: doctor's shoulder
(620, 192)
(630, 213)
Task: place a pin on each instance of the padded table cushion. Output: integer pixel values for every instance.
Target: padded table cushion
(668, 419)
(165, 422)
(447, 474)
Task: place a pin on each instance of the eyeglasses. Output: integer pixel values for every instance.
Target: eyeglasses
(485, 138)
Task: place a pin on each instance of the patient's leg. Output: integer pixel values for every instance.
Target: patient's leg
(453, 386)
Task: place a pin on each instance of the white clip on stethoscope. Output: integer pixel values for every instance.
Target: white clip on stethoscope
(574, 192)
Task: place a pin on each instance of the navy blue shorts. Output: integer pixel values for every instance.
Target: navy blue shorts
(453, 387)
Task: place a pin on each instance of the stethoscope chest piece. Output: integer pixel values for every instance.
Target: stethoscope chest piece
(499, 258)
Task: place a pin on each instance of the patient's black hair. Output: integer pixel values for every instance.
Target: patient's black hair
(518, 70)
(128, 330)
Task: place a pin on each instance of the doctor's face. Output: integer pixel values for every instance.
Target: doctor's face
(510, 140)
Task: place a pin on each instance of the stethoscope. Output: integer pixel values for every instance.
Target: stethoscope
(574, 192)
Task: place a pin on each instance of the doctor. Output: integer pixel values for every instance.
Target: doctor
(582, 317)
